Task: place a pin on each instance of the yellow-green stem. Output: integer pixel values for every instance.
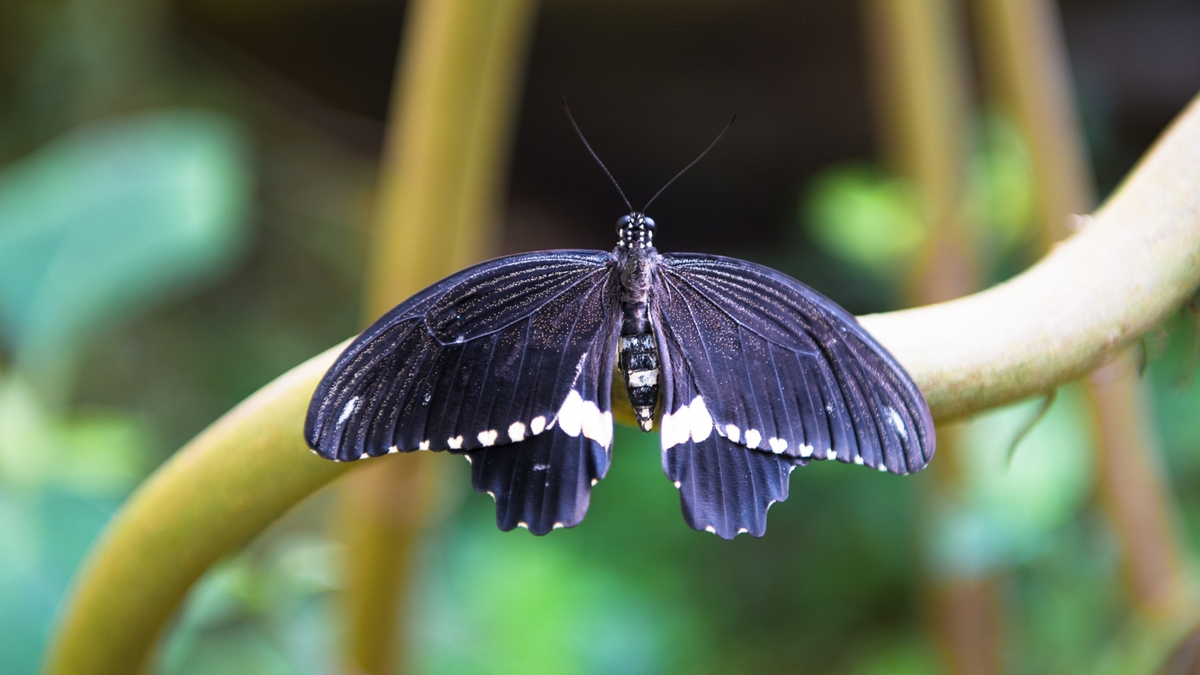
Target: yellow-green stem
(230, 482)
(921, 100)
(438, 207)
(1029, 75)
(919, 88)
(1129, 267)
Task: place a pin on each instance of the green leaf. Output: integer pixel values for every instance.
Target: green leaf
(113, 218)
(860, 214)
(99, 453)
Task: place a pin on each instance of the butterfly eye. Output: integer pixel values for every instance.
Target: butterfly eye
(623, 223)
(648, 222)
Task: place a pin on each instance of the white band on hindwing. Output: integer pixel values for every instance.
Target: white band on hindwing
(690, 422)
(578, 416)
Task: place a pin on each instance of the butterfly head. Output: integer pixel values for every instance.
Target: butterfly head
(635, 230)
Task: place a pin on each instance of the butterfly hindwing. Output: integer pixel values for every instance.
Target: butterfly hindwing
(485, 360)
(780, 370)
(543, 483)
(724, 487)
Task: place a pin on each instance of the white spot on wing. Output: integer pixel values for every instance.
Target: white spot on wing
(537, 425)
(423, 445)
(558, 525)
(753, 438)
(492, 495)
(672, 428)
(392, 450)
(733, 433)
(523, 524)
(742, 530)
(540, 467)
(858, 460)
(570, 415)
(883, 467)
(577, 416)
(468, 458)
(710, 528)
(701, 421)
(689, 422)
(897, 423)
(349, 409)
(454, 443)
(594, 481)
(678, 485)
(597, 425)
(488, 437)
(516, 432)
(778, 445)
(830, 454)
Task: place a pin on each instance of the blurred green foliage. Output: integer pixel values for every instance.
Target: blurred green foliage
(1006, 512)
(107, 221)
(137, 304)
(1000, 185)
(113, 218)
(860, 213)
(631, 589)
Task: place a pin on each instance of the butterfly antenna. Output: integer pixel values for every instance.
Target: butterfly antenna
(595, 156)
(710, 147)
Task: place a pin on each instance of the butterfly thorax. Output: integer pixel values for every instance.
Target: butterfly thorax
(638, 355)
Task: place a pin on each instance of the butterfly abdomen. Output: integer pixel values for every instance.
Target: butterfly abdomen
(638, 358)
(639, 365)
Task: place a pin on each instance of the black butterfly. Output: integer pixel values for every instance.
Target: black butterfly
(510, 362)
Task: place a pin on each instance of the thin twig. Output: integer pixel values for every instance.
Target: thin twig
(1047, 401)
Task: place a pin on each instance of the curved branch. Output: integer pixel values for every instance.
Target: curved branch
(1133, 264)
(235, 478)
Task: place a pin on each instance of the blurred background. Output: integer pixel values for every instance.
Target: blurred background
(190, 189)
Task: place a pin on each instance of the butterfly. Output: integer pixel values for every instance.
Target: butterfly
(511, 363)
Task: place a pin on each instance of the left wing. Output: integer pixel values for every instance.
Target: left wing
(508, 362)
(761, 374)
